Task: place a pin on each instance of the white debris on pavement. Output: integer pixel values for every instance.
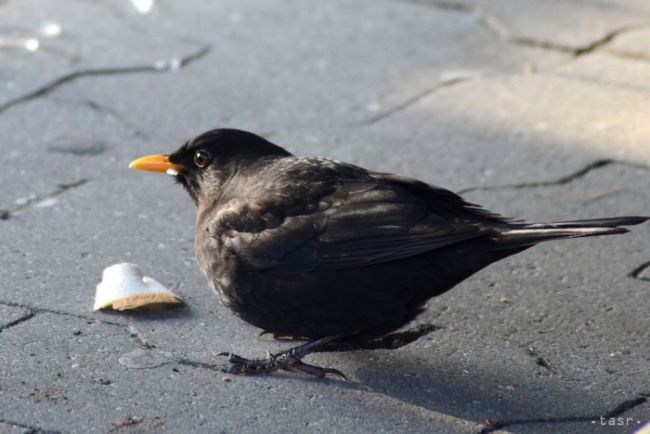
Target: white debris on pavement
(124, 287)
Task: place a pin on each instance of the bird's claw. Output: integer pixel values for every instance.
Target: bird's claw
(289, 360)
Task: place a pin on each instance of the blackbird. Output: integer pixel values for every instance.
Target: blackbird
(328, 251)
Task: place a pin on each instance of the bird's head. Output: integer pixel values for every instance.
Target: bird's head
(204, 164)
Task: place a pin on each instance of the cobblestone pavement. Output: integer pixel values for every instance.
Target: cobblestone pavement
(535, 109)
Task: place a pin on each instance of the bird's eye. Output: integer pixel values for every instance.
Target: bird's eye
(201, 158)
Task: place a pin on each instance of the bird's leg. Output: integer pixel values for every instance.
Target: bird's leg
(288, 360)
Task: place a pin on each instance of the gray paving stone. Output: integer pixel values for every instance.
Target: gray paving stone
(571, 301)
(537, 127)
(325, 82)
(125, 38)
(570, 24)
(557, 333)
(77, 384)
(64, 143)
(538, 317)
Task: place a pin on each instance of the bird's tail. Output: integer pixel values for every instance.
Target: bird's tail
(529, 234)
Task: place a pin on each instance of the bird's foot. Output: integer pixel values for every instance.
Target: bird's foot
(288, 360)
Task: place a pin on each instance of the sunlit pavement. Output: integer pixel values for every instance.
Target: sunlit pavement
(537, 110)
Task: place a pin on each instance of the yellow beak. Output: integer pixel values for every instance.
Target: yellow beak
(156, 163)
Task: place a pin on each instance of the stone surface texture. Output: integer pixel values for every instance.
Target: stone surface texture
(537, 110)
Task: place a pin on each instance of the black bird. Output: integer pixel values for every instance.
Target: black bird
(316, 248)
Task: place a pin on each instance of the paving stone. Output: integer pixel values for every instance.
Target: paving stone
(571, 301)
(64, 143)
(571, 24)
(558, 332)
(614, 320)
(125, 38)
(338, 80)
(537, 127)
(77, 384)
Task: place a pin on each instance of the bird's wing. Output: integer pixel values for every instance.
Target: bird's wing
(357, 223)
(445, 203)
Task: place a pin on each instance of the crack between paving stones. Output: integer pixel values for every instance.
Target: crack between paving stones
(595, 165)
(35, 309)
(619, 410)
(29, 429)
(104, 109)
(636, 272)
(134, 333)
(501, 31)
(412, 100)
(6, 214)
(100, 108)
(575, 51)
(131, 330)
(20, 320)
(171, 65)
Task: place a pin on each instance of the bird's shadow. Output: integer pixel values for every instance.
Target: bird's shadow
(478, 396)
(454, 391)
(482, 396)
